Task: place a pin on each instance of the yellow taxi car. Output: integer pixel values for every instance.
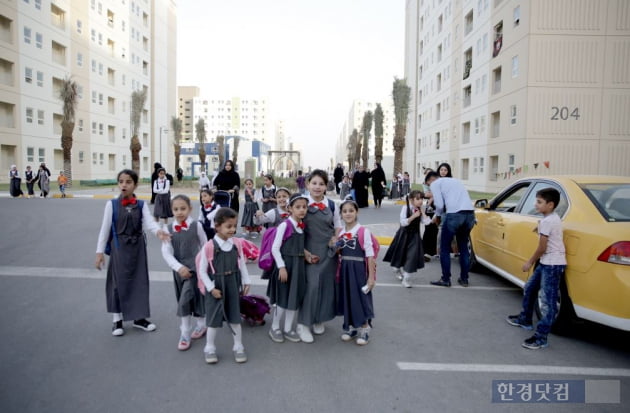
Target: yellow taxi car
(595, 212)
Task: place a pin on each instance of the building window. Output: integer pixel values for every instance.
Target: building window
(482, 128)
(494, 168)
(40, 117)
(496, 80)
(100, 99)
(100, 69)
(81, 156)
(38, 4)
(94, 158)
(466, 132)
(467, 96)
(30, 154)
(498, 39)
(475, 162)
(94, 128)
(496, 124)
(481, 164)
(465, 168)
(101, 158)
(80, 59)
(94, 96)
(28, 75)
(515, 66)
(100, 129)
(517, 15)
(39, 40)
(58, 53)
(438, 112)
(511, 162)
(476, 126)
(124, 133)
(513, 115)
(111, 133)
(80, 125)
(468, 23)
(124, 160)
(42, 154)
(40, 78)
(93, 35)
(27, 35)
(79, 26)
(29, 115)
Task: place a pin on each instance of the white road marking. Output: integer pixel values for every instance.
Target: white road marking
(89, 273)
(513, 368)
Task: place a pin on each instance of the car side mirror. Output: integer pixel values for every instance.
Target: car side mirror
(481, 203)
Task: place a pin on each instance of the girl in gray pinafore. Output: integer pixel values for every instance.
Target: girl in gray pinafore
(319, 300)
(127, 284)
(187, 239)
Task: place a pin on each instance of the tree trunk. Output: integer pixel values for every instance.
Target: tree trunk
(178, 150)
(365, 151)
(66, 145)
(135, 148)
(202, 158)
(221, 150)
(378, 149)
(399, 146)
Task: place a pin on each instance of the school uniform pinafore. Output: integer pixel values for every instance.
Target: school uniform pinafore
(227, 278)
(289, 295)
(185, 248)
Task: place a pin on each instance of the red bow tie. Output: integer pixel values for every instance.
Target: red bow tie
(208, 206)
(319, 205)
(301, 225)
(284, 215)
(347, 235)
(179, 227)
(129, 201)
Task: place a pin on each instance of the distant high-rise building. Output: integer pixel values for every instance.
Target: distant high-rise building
(502, 89)
(110, 49)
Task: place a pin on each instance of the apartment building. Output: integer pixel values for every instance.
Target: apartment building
(354, 120)
(507, 88)
(110, 49)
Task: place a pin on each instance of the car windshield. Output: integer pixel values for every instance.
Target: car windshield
(612, 200)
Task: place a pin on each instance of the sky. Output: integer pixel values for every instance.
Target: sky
(310, 59)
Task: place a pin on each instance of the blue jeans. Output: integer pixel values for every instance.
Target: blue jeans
(546, 279)
(457, 224)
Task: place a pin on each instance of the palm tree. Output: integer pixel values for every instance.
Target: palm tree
(176, 125)
(221, 150)
(366, 127)
(358, 148)
(69, 96)
(401, 94)
(138, 98)
(350, 147)
(235, 150)
(378, 133)
(200, 128)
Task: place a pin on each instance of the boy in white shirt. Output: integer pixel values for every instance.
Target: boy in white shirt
(548, 272)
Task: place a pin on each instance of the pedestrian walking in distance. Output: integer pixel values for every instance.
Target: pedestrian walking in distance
(162, 190)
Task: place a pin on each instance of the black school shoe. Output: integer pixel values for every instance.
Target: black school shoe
(463, 283)
(117, 329)
(441, 283)
(144, 324)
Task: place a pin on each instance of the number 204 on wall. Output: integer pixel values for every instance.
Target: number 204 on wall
(562, 113)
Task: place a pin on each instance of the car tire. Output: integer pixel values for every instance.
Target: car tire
(566, 314)
(474, 264)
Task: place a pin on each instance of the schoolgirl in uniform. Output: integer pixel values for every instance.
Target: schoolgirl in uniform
(187, 238)
(162, 189)
(127, 284)
(274, 217)
(356, 279)
(250, 209)
(322, 224)
(207, 211)
(405, 253)
(287, 280)
(223, 282)
(268, 193)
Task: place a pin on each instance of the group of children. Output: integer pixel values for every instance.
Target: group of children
(322, 268)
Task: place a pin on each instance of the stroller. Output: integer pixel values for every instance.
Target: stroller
(222, 198)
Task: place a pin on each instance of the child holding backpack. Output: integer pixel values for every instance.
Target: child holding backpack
(357, 251)
(287, 279)
(222, 276)
(249, 212)
(206, 212)
(127, 285)
(187, 238)
(405, 253)
(275, 216)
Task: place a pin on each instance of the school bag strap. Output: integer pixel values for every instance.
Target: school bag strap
(208, 250)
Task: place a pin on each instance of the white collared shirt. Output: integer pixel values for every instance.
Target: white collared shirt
(167, 247)
(367, 235)
(336, 215)
(404, 221)
(277, 241)
(148, 224)
(224, 245)
(161, 186)
(450, 194)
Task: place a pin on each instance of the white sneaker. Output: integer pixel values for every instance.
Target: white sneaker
(364, 336)
(406, 283)
(398, 273)
(304, 333)
(319, 328)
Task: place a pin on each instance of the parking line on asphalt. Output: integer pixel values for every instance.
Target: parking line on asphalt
(162, 276)
(513, 368)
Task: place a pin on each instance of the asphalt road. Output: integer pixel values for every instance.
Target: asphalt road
(432, 349)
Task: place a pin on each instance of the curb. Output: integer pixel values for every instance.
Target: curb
(384, 241)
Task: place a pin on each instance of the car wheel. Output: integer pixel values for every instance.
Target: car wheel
(565, 315)
(474, 265)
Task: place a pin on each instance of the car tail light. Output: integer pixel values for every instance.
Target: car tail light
(618, 253)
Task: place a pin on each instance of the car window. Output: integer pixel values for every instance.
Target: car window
(508, 201)
(528, 207)
(612, 200)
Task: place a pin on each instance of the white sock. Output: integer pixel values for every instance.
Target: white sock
(277, 316)
(201, 322)
(238, 337)
(288, 320)
(117, 317)
(406, 275)
(185, 326)
(210, 336)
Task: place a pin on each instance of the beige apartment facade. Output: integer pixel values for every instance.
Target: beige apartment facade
(503, 89)
(110, 49)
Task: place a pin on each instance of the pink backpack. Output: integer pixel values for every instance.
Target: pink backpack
(208, 250)
(265, 260)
